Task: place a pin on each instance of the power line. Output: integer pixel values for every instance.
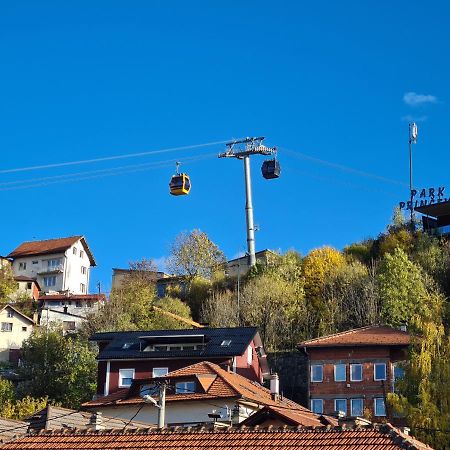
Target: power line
(110, 158)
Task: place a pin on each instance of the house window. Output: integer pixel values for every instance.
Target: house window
(23, 266)
(340, 372)
(24, 328)
(28, 285)
(54, 263)
(317, 405)
(160, 372)
(357, 407)
(399, 373)
(68, 325)
(50, 281)
(249, 355)
(126, 377)
(379, 371)
(74, 250)
(185, 387)
(317, 373)
(148, 389)
(379, 406)
(160, 348)
(34, 262)
(340, 406)
(10, 313)
(82, 288)
(83, 270)
(78, 304)
(6, 326)
(81, 254)
(356, 372)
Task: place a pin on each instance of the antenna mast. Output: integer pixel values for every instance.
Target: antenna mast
(243, 149)
(412, 140)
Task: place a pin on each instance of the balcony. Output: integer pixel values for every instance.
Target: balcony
(51, 269)
(440, 231)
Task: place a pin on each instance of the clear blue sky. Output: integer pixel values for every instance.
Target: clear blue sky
(83, 80)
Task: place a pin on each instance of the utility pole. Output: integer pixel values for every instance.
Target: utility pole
(162, 405)
(243, 149)
(412, 140)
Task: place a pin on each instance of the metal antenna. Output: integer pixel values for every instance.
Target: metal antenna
(243, 149)
(412, 140)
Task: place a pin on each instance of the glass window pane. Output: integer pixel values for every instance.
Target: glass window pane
(317, 372)
(340, 372)
(340, 405)
(380, 371)
(380, 409)
(356, 372)
(160, 371)
(357, 407)
(317, 405)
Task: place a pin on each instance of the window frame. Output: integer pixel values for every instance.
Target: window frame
(47, 281)
(23, 265)
(375, 371)
(10, 314)
(312, 372)
(351, 407)
(121, 377)
(166, 369)
(6, 329)
(351, 373)
(321, 405)
(338, 410)
(345, 373)
(185, 389)
(375, 400)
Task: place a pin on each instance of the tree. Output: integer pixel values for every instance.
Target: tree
(160, 321)
(22, 408)
(6, 391)
(7, 283)
(62, 368)
(220, 309)
(195, 255)
(405, 290)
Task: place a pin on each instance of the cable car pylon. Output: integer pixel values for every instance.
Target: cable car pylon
(243, 149)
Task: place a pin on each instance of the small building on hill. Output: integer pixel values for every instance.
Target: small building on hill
(124, 356)
(352, 372)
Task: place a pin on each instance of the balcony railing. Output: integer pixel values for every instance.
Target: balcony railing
(51, 269)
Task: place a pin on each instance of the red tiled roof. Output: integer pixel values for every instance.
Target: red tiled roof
(12, 429)
(74, 297)
(225, 385)
(49, 246)
(376, 437)
(371, 335)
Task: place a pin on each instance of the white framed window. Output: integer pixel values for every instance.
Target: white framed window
(10, 313)
(22, 266)
(160, 372)
(340, 372)
(379, 407)
(357, 407)
(81, 254)
(50, 281)
(340, 405)
(316, 373)
(6, 326)
(82, 288)
(185, 387)
(83, 270)
(126, 377)
(249, 355)
(356, 372)
(74, 250)
(379, 371)
(317, 405)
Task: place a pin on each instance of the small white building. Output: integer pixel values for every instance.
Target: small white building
(15, 327)
(58, 265)
(78, 304)
(67, 321)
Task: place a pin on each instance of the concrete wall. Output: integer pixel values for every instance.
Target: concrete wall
(21, 330)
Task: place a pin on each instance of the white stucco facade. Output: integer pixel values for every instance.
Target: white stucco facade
(60, 272)
(68, 322)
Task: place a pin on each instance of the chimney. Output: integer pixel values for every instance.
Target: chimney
(95, 422)
(275, 386)
(65, 309)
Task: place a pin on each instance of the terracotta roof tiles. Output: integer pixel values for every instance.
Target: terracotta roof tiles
(370, 335)
(376, 437)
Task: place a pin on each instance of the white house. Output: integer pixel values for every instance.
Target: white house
(67, 321)
(15, 327)
(58, 265)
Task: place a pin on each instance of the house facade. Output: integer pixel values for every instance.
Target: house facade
(27, 288)
(58, 265)
(124, 356)
(351, 373)
(15, 327)
(239, 267)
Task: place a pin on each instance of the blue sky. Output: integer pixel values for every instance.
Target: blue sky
(324, 81)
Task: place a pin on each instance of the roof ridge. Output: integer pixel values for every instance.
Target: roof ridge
(341, 333)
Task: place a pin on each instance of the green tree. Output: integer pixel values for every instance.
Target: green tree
(22, 408)
(7, 283)
(160, 321)
(6, 391)
(62, 368)
(195, 255)
(405, 290)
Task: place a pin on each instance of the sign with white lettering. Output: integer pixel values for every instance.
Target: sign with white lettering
(424, 197)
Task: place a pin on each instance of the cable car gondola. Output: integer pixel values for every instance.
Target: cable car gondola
(271, 169)
(180, 184)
